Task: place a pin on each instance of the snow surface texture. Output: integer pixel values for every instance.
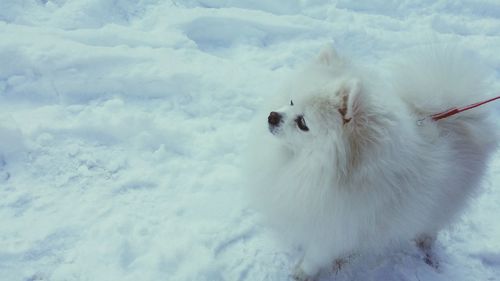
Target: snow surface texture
(122, 125)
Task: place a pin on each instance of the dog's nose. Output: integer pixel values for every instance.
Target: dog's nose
(274, 118)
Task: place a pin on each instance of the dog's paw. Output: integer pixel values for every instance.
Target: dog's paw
(300, 275)
(431, 261)
(338, 264)
(425, 244)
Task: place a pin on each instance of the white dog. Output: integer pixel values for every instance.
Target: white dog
(352, 164)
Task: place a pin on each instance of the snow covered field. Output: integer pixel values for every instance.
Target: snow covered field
(122, 125)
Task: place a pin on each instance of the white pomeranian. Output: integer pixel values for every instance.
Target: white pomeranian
(352, 163)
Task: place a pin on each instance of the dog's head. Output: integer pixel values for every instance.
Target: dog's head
(326, 100)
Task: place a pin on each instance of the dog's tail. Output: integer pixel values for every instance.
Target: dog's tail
(434, 78)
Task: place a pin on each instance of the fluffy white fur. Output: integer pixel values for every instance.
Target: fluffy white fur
(365, 174)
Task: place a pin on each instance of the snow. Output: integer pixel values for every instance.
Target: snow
(123, 125)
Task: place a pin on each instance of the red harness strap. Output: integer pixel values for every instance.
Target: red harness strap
(453, 111)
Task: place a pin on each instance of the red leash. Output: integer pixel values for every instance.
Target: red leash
(453, 111)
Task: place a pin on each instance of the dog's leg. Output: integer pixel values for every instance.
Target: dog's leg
(425, 242)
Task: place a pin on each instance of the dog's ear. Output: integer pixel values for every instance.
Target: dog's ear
(351, 100)
(328, 56)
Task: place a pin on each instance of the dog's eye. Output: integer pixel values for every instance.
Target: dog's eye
(301, 123)
(291, 102)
